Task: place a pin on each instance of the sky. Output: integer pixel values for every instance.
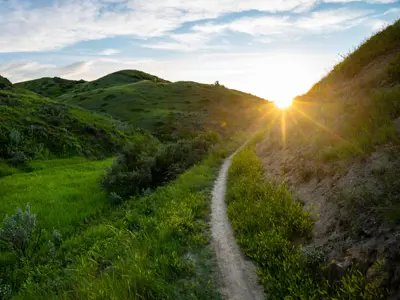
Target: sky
(275, 49)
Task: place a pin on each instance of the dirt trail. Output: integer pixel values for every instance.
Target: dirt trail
(238, 277)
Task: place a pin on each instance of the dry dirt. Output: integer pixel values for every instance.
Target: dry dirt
(237, 275)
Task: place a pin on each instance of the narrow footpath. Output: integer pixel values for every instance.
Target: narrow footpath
(237, 275)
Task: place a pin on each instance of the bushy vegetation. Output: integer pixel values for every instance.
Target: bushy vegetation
(146, 163)
(33, 127)
(153, 246)
(4, 83)
(267, 222)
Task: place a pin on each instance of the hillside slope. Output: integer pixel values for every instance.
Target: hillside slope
(33, 126)
(50, 87)
(182, 108)
(338, 150)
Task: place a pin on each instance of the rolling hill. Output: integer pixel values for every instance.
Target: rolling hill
(33, 126)
(165, 108)
(50, 87)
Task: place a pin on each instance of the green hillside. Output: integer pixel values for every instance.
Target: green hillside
(337, 151)
(50, 87)
(36, 127)
(146, 101)
(182, 108)
(121, 78)
(358, 101)
(54, 87)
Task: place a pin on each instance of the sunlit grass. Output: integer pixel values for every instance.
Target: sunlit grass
(62, 192)
(267, 220)
(152, 247)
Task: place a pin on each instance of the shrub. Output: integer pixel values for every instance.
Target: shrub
(18, 158)
(19, 233)
(4, 83)
(147, 164)
(131, 171)
(115, 198)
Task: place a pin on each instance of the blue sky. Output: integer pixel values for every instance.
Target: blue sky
(271, 48)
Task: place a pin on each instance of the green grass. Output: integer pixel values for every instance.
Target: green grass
(355, 103)
(169, 110)
(152, 247)
(48, 129)
(384, 42)
(180, 107)
(50, 87)
(64, 192)
(267, 222)
(55, 87)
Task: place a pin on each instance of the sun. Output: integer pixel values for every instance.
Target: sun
(283, 103)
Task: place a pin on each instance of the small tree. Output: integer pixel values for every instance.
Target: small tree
(216, 83)
(19, 233)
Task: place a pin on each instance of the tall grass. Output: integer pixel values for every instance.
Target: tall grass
(267, 222)
(63, 192)
(154, 247)
(151, 247)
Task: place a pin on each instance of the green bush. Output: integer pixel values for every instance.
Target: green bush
(20, 235)
(4, 83)
(146, 163)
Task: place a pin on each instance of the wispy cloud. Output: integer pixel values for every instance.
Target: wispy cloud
(61, 23)
(327, 20)
(191, 41)
(24, 70)
(109, 52)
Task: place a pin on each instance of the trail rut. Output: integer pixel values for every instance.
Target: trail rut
(237, 275)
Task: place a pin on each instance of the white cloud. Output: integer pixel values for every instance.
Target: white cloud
(17, 71)
(378, 25)
(109, 52)
(262, 28)
(395, 11)
(186, 42)
(65, 22)
(319, 21)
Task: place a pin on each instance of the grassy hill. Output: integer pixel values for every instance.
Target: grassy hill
(34, 127)
(55, 87)
(358, 100)
(182, 108)
(50, 87)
